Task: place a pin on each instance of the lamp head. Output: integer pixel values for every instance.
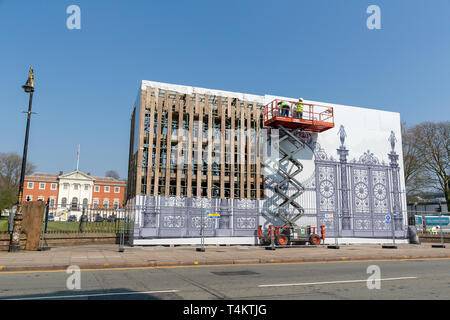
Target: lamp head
(29, 85)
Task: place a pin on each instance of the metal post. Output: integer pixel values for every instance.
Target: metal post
(393, 245)
(122, 234)
(393, 228)
(202, 240)
(14, 245)
(272, 238)
(336, 241)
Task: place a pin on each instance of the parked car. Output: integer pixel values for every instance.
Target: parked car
(72, 218)
(84, 218)
(112, 218)
(98, 218)
(50, 218)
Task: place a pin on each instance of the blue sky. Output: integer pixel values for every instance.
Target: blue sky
(86, 80)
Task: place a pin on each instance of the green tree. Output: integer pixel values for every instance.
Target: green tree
(7, 199)
(10, 168)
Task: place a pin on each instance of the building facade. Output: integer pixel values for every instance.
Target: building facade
(74, 190)
(196, 151)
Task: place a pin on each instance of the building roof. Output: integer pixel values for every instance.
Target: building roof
(53, 176)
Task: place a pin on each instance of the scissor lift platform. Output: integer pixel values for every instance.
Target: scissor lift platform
(315, 118)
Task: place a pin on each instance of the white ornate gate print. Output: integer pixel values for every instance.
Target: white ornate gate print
(370, 194)
(359, 194)
(327, 195)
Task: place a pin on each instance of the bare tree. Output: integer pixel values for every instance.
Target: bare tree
(10, 168)
(432, 141)
(112, 174)
(416, 180)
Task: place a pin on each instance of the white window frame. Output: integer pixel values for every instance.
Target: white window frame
(86, 187)
(30, 184)
(40, 184)
(106, 202)
(30, 196)
(118, 189)
(53, 186)
(96, 188)
(66, 186)
(104, 189)
(41, 198)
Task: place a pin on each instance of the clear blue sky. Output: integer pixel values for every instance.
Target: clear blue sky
(86, 80)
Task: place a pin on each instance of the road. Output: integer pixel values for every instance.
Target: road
(408, 279)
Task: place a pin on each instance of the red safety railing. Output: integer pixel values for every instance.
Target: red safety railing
(312, 114)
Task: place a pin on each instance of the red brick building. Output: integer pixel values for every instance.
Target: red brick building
(74, 189)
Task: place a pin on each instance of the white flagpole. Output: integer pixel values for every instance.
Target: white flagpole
(78, 157)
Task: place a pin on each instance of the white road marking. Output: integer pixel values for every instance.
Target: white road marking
(94, 295)
(328, 282)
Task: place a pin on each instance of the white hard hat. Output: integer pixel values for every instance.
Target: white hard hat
(300, 99)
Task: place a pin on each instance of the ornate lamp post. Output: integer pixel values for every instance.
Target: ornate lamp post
(14, 245)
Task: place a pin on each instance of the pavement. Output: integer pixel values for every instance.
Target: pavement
(92, 257)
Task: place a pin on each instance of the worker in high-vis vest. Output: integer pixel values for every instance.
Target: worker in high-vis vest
(299, 109)
(284, 108)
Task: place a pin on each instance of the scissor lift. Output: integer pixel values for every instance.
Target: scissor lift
(314, 118)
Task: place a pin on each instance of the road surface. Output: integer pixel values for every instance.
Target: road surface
(408, 279)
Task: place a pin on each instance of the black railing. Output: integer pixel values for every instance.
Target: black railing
(88, 219)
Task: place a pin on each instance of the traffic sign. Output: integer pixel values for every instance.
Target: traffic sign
(214, 215)
(388, 218)
(328, 217)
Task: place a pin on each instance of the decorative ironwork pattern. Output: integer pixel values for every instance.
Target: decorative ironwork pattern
(246, 223)
(327, 188)
(246, 204)
(380, 191)
(361, 190)
(173, 221)
(175, 201)
(196, 222)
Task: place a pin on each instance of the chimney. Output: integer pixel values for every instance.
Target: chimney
(89, 173)
(60, 173)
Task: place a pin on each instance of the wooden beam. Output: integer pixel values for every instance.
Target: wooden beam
(158, 144)
(242, 151)
(140, 143)
(232, 144)
(190, 110)
(222, 113)
(150, 168)
(257, 150)
(199, 146)
(180, 104)
(208, 111)
(249, 122)
(169, 106)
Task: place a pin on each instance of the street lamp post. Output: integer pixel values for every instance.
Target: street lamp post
(14, 244)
